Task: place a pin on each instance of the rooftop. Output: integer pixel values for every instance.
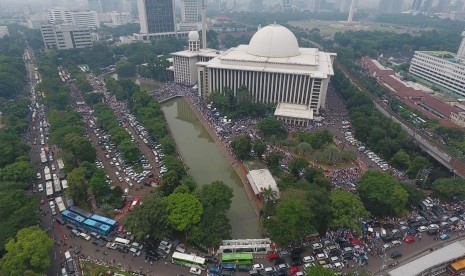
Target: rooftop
(261, 180)
(300, 111)
(202, 52)
(445, 254)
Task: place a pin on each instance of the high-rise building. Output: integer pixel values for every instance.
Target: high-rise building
(426, 7)
(65, 36)
(190, 11)
(443, 6)
(346, 4)
(79, 18)
(131, 7)
(4, 31)
(287, 4)
(416, 5)
(59, 15)
(156, 19)
(94, 5)
(390, 6)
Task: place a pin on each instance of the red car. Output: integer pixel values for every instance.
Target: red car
(294, 269)
(121, 228)
(272, 256)
(355, 242)
(409, 239)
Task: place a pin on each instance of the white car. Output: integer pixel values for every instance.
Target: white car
(309, 259)
(258, 267)
(40, 187)
(195, 270)
(422, 229)
(433, 227)
(395, 243)
(321, 256)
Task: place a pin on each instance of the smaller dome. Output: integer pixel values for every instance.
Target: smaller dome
(193, 36)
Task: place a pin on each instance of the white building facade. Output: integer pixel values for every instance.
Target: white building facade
(65, 37)
(185, 62)
(440, 68)
(121, 18)
(273, 68)
(88, 19)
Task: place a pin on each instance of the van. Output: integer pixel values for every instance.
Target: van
(126, 191)
(382, 232)
(254, 273)
(67, 255)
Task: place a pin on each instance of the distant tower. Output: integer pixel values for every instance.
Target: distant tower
(204, 25)
(461, 51)
(351, 11)
(194, 42)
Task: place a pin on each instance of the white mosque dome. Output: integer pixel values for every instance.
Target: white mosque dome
(193, 36)
(273, 41)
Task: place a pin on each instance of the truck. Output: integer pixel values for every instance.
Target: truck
(60, 204)
(49, 188)
(64, 183)
(60, 163)
(47, 174)
(57, 184)
(43, 157)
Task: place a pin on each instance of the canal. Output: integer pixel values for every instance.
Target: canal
(207, 163)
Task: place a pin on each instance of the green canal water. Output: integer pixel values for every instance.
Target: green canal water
(207, 163)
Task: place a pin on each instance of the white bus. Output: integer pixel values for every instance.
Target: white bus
(188, 260)
(121, 241)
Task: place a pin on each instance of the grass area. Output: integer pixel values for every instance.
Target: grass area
(89, 268)
(149, 86)
(329, 28)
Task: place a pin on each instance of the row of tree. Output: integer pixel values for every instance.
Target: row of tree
(106, 120)
(27, 252)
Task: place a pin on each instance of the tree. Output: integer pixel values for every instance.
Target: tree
(184, 211)
(259, 147)
(271, 126)
(106, 210)
(292, 222)
(418, 163)
(21, 171)
(77, 185)
(297, 165)
(125, 69)
(168, 145)
(319, 271)
(400, 160)
(216, 196)
(415, 195)
(330, 155)
(273, 159)
(449, 188)
(268, 194)
(149, 220)
(347, 210)
(98, 184)
(242, 146)
(212, 229)
(304, 148)
(381, 194)
(27, 253)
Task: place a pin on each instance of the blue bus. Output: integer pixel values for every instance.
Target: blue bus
(72, 218)
(96, 226)
(79, 211)
(112, 223)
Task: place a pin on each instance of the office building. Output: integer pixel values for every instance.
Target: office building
(130, 6)
(87, 19)
(314, 5)
(442, 69)
(275, 70)
(156, 18)
(390, 6)
(65, 36)
(416, 5)
(190, 11)
(121, 18)
(346, 4)
(443, 6)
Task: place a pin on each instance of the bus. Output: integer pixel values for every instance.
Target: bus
(237, 258)
(122, 241)
(188, 260)
(72, 217)
(134, 203)
(113, 224)
(457, 267)
(95, 226)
